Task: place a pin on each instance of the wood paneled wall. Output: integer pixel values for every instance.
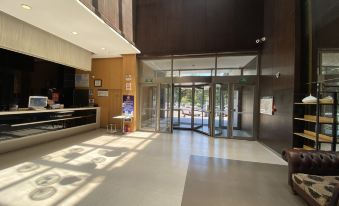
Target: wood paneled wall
(112, 72)
(109, 12)
(127, 19)
(118, 14)
(279, 54)
(129, 65)
(197, 26)
(21, 37)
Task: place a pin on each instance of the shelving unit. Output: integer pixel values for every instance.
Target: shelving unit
(318, 121)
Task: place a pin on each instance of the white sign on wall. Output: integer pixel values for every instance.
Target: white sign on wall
(102, 93)
(266, 105)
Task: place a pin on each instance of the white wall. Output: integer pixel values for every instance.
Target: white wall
(21, 37)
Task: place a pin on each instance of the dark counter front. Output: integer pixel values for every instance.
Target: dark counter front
(14, 125)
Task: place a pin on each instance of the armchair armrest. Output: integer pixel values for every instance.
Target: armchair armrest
(335, 197)
(311, 162)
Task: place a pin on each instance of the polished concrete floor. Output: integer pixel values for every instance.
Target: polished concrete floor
(97, 168)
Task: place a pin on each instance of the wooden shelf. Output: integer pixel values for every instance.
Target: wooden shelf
(308, 120)
(305, 147)
(301, 103)
(311, 118)
(312, 136)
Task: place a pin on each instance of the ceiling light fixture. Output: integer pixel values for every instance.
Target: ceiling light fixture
(74, 32)
(103, 48)
(25, 6)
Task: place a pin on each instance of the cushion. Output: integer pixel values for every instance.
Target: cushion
(320, 188)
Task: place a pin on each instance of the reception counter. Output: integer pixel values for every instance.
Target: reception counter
(20, 129)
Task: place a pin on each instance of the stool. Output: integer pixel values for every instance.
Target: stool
(110, 128)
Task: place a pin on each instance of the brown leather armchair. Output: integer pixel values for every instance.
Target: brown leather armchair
(309, 169)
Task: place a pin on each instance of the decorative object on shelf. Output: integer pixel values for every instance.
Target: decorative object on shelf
(310, 99)
(326, 100)
(98, 83)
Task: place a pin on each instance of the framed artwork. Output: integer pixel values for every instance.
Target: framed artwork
(97, 82)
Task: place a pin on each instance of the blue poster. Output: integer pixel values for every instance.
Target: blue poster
(128, 105)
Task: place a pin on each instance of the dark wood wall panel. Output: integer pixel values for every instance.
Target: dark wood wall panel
(109, 12)
(118, 14)
(197, 26)
(127, 19)
(279, 55)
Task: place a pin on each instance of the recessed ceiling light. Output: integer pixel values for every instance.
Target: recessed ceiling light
(25, 6)
(74, 32)
(103, 48)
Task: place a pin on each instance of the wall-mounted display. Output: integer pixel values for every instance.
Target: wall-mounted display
(98, 83)
(81, 80)
(266, 105)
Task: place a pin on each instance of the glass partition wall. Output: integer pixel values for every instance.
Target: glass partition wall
(211, 94)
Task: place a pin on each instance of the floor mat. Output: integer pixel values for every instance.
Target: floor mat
(215, 181)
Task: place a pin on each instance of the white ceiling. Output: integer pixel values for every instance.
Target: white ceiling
(62, 17)
(200, 63)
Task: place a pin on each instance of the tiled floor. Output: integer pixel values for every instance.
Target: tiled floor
(96, 168)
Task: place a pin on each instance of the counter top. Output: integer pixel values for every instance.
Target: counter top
(45, 111)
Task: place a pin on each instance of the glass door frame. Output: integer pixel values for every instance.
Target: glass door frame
(157, 105)
(200, 85)
(231, 82)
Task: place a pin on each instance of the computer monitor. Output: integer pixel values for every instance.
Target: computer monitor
(37, 102)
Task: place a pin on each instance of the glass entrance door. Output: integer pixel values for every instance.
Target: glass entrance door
(243, 111)
(192, 108)
(183, 107)
(198, 108)
(165, 101)
(148, 112)
(202, 109)
(234, 111)
(221, 110)
(155, 107)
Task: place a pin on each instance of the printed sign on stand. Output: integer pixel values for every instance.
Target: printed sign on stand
(128, 105)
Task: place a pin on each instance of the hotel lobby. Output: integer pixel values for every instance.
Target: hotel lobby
(182, 102)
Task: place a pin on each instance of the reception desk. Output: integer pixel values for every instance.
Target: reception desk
(20, 129)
